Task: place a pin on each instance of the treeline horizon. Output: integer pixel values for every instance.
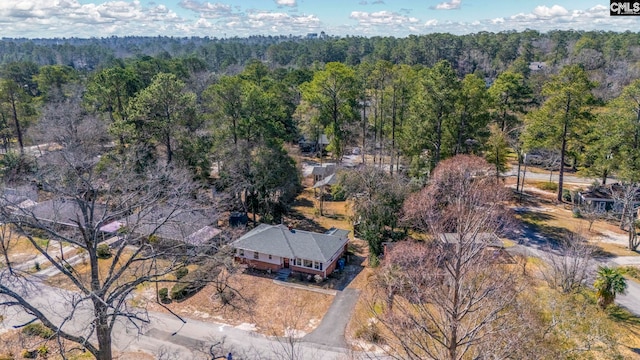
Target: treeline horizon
(483, 53)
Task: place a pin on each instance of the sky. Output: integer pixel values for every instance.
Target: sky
(228, 18)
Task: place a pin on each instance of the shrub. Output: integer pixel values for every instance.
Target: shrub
(163, 294)
(226, 296)
(181, 291)
(338, 193)
(36, 266)
(27, 354)
(566, 195)
(317, 278)
(370, 333)
(631, 271)
(548, 186)
(193, 282)
(576, 213)
(37, 329)
(180, 273)
(43, 351)
(374, 261)
(103, 251)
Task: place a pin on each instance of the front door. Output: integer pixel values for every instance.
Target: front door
(286, 263)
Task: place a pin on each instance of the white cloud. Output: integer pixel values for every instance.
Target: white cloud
(290, 3)
(542, 18)
(431, 22)
(545, 12)
(65, 18)
(449, 5)
(206, 9)
(381, 18)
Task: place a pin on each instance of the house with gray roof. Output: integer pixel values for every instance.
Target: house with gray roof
(275, 247)
(62, 212)
(192, 227)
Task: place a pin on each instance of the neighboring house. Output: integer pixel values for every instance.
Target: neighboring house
(62, 212)
(192, 227)
(328, 181)
(313, 145)
(275, 247)
(323, 171)
(492, 246)
(601, 197)
(19, 198)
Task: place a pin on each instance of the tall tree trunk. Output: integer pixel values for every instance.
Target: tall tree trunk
(17, 122)
(438, 142)
(461, 126)
(382, 127)
(376, 110)
(518, 176)
(169, 149)
(235, 132)
(563, 150)
(393, 131)
(103, 331)
(364, 131)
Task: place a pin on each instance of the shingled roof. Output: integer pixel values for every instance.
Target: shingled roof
(281, 241)
(193, 227)
(488, 239)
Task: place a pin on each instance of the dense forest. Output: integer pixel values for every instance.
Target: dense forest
(565, 97)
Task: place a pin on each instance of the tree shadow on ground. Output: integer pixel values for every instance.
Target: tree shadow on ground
(303, 202)
(622, 315)
(299, 221)
(600, 253)
(353, 266)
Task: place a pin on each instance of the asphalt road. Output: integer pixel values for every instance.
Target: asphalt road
(165, 335)
(532, 243)
(567, 178)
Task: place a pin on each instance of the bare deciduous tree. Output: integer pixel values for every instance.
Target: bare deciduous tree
(625, 197)
(569, 265)
(7, 240)
(451, 298)
(90, 188)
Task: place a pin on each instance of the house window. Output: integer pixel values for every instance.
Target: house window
(256, 255)
(270, 257)
(317, 265)
(298, 262)
(241, 252)
(308, 263)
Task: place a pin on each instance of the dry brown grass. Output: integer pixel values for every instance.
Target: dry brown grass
(336, 213)
(13, 342)
(269, 306)
(554, 220)
(83, 269)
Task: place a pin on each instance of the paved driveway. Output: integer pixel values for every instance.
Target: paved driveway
(330, 332)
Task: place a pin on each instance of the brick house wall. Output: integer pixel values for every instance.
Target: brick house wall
(257, 264)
